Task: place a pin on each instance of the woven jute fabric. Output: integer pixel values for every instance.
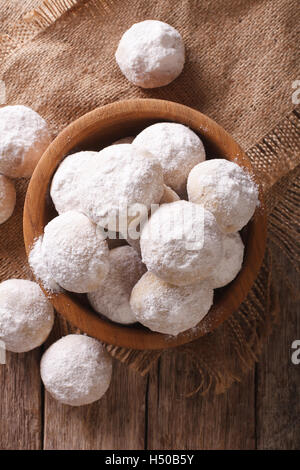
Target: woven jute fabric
(241, 65)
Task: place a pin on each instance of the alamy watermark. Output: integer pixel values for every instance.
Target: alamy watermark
(296, 94)
(2, 352)
(2, 92)
(295, 357)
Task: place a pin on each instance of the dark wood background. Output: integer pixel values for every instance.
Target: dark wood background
(263, 412)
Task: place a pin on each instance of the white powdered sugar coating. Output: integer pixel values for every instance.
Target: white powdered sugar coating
(75, 252)
(64, 186)
(24, 138)
(231, 261)
(7, 198)
(124, 140)
(40, 269)
(167, 308)
(225, 189)
(151, 54)
(181, 243)
(26, 316)
(176, 147)
(120, 177)
(112, 297)
(76, 370)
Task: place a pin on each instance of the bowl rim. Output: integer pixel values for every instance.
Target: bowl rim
(136, 337)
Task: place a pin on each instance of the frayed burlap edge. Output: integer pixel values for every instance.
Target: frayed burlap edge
(45, 15)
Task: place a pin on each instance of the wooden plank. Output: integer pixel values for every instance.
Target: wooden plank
(278, 380)
(117, 421)
(20, 404)
(20, 383)
(211, 422)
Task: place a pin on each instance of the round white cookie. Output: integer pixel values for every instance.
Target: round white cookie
(225, 189)
(64, 186)
(75, 252)
(181, 243)
(176, 147)
(26, 315)
(76, 370)
(24, 138)
(151, 54)
(169, 309)
(121, 180)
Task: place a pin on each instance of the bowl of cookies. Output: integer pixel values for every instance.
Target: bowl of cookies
(144, 224)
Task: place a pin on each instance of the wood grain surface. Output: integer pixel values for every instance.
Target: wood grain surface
(263, 412)
(278, 379)
(21, 402)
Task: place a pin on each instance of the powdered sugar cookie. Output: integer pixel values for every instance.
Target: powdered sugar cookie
(182, 243)
(176, 147)
(75, 252)
(167, 308)
(225, 189)
(24, 138)
(26, 315)
(76, 370)
(151, 54)
(116, 184)
(64, 186)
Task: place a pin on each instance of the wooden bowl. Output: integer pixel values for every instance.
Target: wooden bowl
(98, 129)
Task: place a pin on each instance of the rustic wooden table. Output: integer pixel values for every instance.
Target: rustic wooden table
(263, 412)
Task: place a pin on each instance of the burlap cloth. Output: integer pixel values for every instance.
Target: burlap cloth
(241, 61)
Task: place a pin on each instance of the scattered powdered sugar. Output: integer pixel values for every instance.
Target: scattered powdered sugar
(231, 261)
(39, 267)
(24, 138)
(26, 315)
(176, 147)
(181, 243)
(7, 198)
(112, 297)
(64, 186)
(75, 252)
(151, 54)
(167, 308)
(225, 189)
(76, 370)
